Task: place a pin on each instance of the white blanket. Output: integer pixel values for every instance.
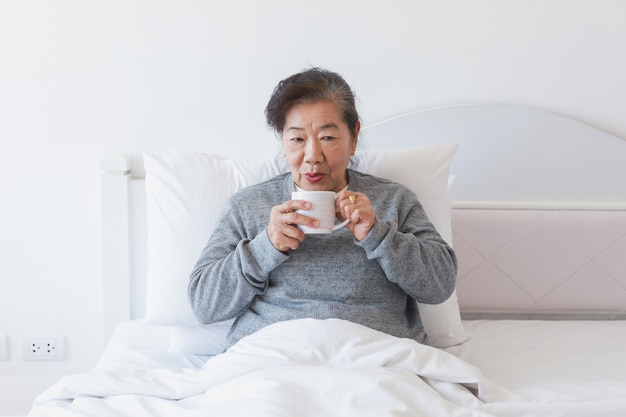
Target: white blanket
(305, 368)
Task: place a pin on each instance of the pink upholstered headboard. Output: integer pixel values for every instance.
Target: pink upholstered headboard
(541, 260)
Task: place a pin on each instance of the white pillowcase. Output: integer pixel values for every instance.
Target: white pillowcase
(186, 192)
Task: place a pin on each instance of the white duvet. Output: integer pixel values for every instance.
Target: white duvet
(307, 368)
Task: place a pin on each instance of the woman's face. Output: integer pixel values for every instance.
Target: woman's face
(318, 145)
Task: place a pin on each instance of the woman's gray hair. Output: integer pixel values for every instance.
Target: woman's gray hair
(311, 86)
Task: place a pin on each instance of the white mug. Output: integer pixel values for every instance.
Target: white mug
(322, 208)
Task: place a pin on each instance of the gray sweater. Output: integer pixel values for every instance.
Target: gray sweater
(375, 282)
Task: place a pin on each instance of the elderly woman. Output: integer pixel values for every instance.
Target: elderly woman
(260, 267)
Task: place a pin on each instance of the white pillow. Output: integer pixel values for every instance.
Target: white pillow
(442, 322)
(186, 192)
(425, 170)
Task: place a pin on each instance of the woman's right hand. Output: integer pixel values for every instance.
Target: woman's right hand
(283, 230)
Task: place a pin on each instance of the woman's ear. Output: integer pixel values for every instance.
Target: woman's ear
(355, 136)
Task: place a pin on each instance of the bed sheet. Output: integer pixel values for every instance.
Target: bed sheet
(548, 360)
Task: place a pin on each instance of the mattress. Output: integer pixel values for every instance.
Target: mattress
(549, 360)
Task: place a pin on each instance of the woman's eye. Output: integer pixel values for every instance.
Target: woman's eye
(296, 140)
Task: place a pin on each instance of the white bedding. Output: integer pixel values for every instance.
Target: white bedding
(336, 368)
(550, 360)
(136, 345)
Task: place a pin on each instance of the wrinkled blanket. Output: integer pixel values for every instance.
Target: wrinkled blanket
(303, 368)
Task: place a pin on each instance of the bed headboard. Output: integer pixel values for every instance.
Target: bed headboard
(517, 157)
(539, 212)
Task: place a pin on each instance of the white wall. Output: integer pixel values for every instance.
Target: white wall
(79, 79)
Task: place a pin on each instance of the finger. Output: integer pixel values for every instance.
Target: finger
(283, 230)
(350, 205)
(277, 227)
(360, 211)
(352, 213)
(283, 240)
(293, 205)
(345, 199)
(343, 195)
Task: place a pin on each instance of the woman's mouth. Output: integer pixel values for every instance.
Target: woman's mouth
(313, 177)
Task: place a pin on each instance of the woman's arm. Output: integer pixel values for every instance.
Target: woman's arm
(412, 254)
(232, 269)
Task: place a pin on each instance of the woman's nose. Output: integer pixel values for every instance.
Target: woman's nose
(313, 152)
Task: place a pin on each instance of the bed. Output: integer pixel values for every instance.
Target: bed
(534, 204)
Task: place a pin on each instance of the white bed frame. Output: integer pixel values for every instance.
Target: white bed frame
(539, 213)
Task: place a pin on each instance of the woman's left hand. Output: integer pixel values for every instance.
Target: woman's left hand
(358, 209)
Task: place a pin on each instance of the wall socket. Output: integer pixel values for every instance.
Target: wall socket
(49, 347)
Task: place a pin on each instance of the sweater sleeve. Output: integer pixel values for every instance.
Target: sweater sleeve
(232, 269)
(413, 255)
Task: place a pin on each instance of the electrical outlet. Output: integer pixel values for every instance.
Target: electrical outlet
(49, 347)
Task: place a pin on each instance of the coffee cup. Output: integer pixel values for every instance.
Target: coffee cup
(322, 208)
